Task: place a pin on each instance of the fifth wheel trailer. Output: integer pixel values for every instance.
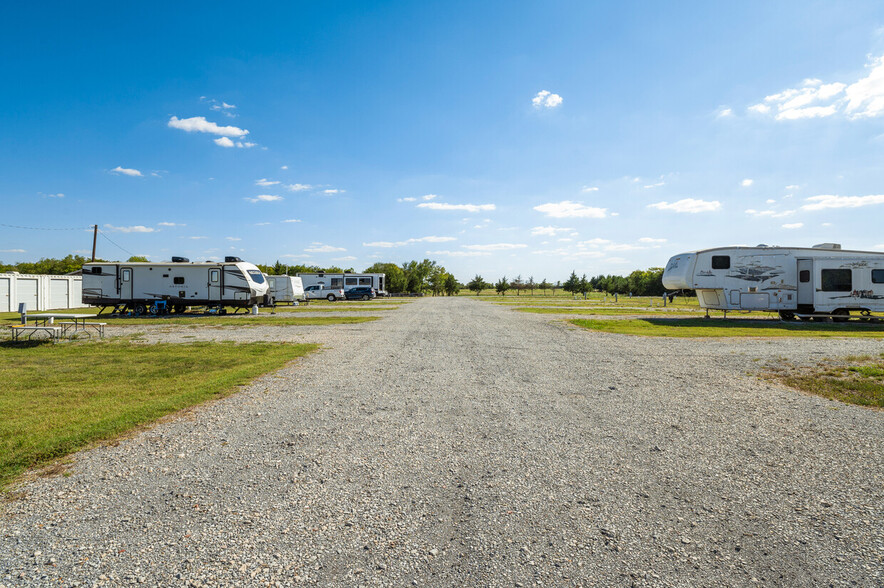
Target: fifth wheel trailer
(793, 281)
(178, 283)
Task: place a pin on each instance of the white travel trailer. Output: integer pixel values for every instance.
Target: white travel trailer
(794, 281)
(173, 286)
(285, 289)
(346, 281)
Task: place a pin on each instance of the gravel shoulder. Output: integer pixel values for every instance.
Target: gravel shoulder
(456, 442)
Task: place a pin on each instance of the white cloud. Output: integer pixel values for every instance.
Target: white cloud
(459, 253)
(13, 251)
(245, 145)
(690, 205)
(793, 187)
(429, 197)
(199, 124)
(233, 238)
(589, 189)
(298, 187)
(284, 167)
(495, 247)
(132, 229)
(168, 224)
(597, 242)
(770, 201)
(198, 238)
(224, 142)
(770, 213)
(320, 248)
(546, 99)
(624, 247)
(261, 224)
(549, 231)
(464, 207)
(128, 171)
(863, 98)
(265, 182)
(651, 240)
(265, 198)
(724, 113)
(657, 185)
(828, 201)
(430, 239)
(406, 199)
(747, 182)
(59, 195)
(569, 209)
(292, 220)
(345, 258)
(333, 191)
(793, 225)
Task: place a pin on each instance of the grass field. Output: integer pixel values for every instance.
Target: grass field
(278, 320)
(701, 327)
(855, 380)
(56, 399)
(601, 310)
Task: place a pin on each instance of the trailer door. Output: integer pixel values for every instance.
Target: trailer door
(214, 284)
(805, 282)
(126, 283)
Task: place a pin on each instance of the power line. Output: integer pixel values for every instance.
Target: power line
(46, 228)
(112, 242)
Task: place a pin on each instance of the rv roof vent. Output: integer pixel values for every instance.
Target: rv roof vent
(176, 259)
(827, 246)
(762, 245)
(232, 259)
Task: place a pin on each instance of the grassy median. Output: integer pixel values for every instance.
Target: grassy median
(55, 399)
(855, 379)
(700, 327)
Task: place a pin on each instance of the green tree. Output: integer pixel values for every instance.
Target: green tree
(416, 274)
(518, 285)
(583, 286)
(572, 285)
(477, 284)
(394, 276)
(137, 259)
(452, 287)
(502, 286)
(436, 280)
(544, 285)
(530, 285)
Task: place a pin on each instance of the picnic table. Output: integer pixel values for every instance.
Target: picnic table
(76, 322)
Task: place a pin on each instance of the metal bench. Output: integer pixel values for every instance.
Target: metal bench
(83, 326)
(53, 332)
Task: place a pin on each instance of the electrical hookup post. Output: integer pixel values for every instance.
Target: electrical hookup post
(23, 311)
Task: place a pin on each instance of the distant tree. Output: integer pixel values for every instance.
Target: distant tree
(502, 286)
(416, 274)
(544, 285)
(530, 284)
(556, 286)
(49, 265)
(137, 259)
(452, 287)
(394, 276)
(477, 284)
(583, 286)
(518, 284)
(572, 285)
(436, 280)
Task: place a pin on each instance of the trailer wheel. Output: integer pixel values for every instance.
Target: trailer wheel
(843, 315)
(331, 298)
(139, 309)
(365, 296)
(222, 311)
(787, 315)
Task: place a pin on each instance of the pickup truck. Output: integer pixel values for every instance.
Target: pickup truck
(319, 291)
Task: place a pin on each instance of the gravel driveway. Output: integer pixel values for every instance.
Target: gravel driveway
(459, 443)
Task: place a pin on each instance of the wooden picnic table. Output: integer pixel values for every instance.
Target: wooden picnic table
(75, 322)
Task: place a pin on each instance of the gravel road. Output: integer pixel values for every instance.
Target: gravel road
(459, 443)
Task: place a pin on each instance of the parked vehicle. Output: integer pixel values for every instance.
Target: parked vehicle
(285, 289)
(802, 282)
(360, 293)
(177, 284)
(319, 291)
(346, 281)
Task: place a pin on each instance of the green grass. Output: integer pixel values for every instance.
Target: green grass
(852, 380)
(607, 311)
(699, 327)
(56, 399)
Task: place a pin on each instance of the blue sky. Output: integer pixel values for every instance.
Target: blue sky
(497, 138)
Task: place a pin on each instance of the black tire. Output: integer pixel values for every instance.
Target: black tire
(366, 297)
(331, 298)
(787, 315)
(139, 309)
(842, 315)
(222, 311)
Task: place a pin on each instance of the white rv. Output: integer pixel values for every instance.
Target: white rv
(285, 289)
(173, 286)
(794, 281)
(346, 281)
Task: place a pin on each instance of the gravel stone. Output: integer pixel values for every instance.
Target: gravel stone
(456, 442)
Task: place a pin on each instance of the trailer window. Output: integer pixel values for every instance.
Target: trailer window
(96, 270)
(878, 276)
(215, 275)
(350, 281)
(804, 276)
(178, 280)
(336, 283)
(365, 281)
(721, 262)
(836, 280)
(257, 276)
(127, 275)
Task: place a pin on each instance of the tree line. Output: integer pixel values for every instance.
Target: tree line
(647, 282)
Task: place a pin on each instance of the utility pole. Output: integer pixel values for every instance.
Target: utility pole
(94, 239)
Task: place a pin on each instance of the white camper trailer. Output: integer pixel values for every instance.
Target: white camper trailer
(346, 281)
(802, 282)
(288, 289)
(173, 286)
